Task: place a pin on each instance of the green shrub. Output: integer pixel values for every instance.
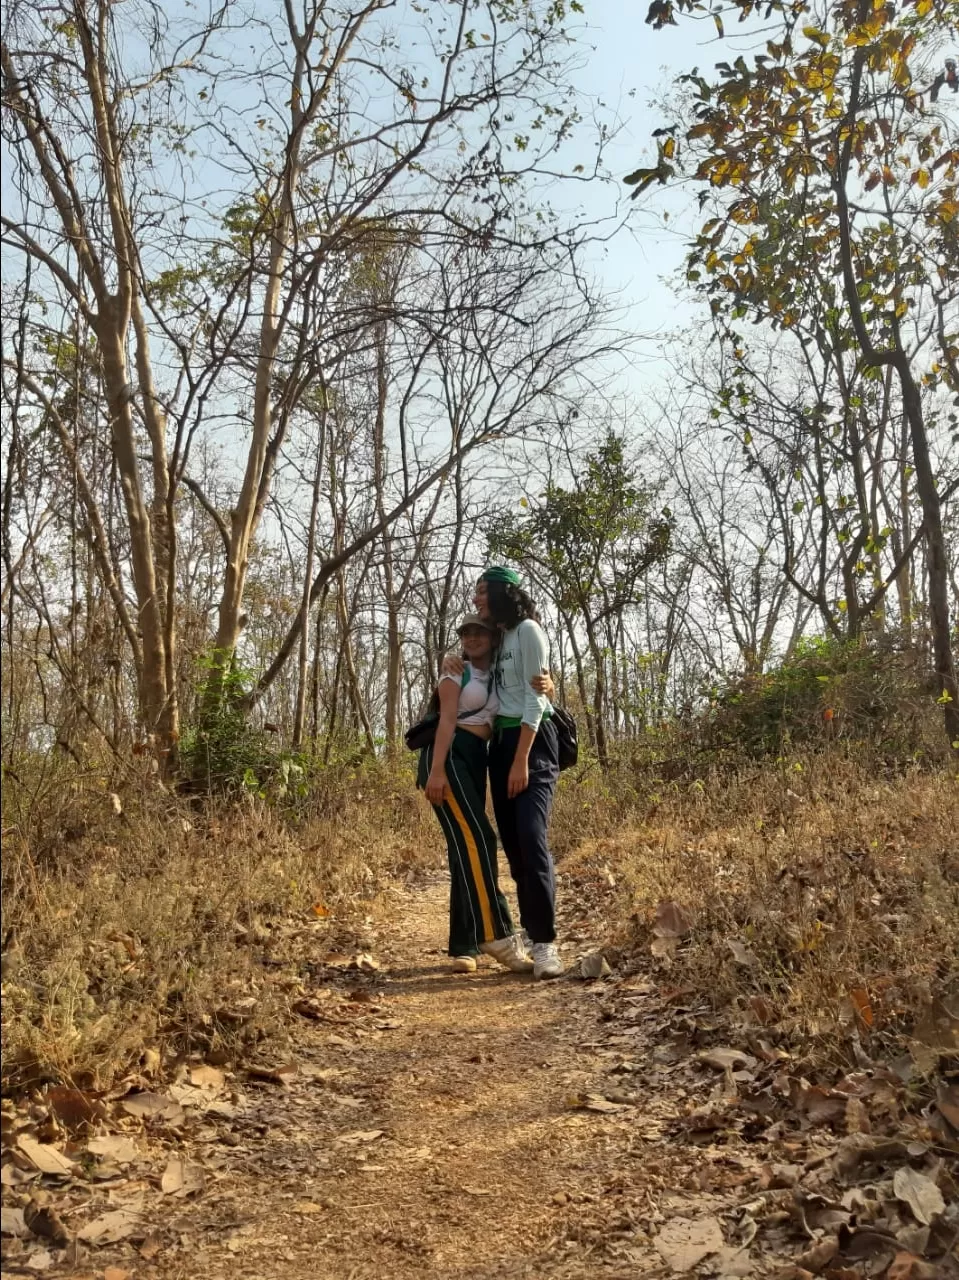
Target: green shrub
(224, 753)
(866, 693)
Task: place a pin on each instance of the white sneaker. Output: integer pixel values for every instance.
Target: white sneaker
(546, 961)
(464, 964)
(510, 953)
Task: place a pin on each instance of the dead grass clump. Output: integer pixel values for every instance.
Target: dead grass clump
(812, 898)
(137, 928)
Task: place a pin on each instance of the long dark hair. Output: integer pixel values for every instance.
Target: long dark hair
(509, 605)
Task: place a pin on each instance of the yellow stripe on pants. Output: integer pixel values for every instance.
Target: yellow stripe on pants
(479, 881)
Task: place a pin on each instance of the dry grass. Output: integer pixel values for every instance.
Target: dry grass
(821, 900)
(133, 937)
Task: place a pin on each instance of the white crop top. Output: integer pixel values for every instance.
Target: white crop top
(478, 704)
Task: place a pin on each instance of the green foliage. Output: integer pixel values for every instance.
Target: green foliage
(590, 543)
(827, 689)
(829, 173)
(224, 753)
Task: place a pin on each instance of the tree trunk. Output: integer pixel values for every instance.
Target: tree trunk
(346, 648)
(937, 565)
(599, 693)
(393, 655)
(299, 716)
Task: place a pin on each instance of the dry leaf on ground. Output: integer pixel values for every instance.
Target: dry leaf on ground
(114, 1146)
(45, 1223)
(733, 1261)
(906, 1266)
(594, 965)
(821, 1106)
(309, 1008)
(820, 1255)
(947, 1104)
(12, 1222)
(741, 953)
(153, 1106)
(920, 1193)
(207, 1077)
(44, 1157)
(181, 1178)
(42, 1260)
(726, 1059)
(593, 1102)
(150, 1247)
(672, 920)
(938, 1027)
(273, 1075)
(684, 1242)
(119, 1224)
(74, 1108)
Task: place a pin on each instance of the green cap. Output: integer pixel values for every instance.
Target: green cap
(497, 573)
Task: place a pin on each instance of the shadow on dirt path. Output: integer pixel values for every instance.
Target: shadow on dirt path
(487, 1127)
(443, 1138)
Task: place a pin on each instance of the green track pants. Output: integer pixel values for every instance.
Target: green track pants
(478, 910)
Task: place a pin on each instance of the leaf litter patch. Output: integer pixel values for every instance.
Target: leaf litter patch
(714, 1145)
(89, 1173)
(809, 1172)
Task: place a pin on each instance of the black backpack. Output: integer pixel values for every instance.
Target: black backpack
(566, 736)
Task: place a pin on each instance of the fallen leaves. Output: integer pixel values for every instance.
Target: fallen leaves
(947, 1105)
(594, 1102)
(109, 1228)
(115, 1148)
(207, 1077)
(310, 1007)
(594, 966)
(920, 1193)
(741, 953)
(273, 1075)
(12, 1222)
(359, 1137)
(46, 1159)
(75, 1109)
(727, 1059)
(44, 1222)
(821, 1106)
(848, 1172)
(906, 1266)
(154, 1107)
(684, 1243)
(752, 1152)
(181, 1178)
(672, 923)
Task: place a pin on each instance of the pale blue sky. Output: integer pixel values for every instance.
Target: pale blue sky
(630, 68)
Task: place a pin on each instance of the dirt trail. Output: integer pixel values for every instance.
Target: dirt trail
(486, 1127)
(442, 1138)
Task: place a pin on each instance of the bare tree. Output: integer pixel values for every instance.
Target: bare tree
(207, 246)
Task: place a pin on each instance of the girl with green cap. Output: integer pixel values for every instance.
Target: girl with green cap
(452, 773)
(523, 757)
